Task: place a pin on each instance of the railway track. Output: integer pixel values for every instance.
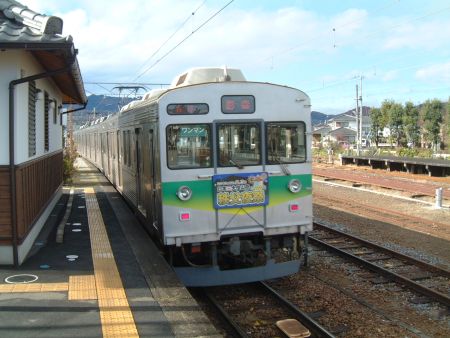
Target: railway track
(383, 214)
(426, 279)
(271, 300)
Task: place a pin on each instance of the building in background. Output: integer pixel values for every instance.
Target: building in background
(39, 72)
(341, 129)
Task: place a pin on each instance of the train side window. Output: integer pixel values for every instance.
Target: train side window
(286, 142)
(188, 146)
(239, 144)
(128, 149)
(124, 147)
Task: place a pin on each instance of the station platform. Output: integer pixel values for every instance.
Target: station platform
(412, 165)
(94, 272)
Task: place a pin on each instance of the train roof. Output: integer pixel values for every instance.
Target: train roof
(207, 74)
(191, 77)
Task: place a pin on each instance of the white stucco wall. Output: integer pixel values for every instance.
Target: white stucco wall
(8, 72)
(12, 64)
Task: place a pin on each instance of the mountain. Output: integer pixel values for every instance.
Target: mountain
(98, 106)
(102, 105)
(319, 118)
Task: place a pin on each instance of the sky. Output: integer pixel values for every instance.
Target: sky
(396, 49)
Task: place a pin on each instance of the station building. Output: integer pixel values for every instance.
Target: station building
(39, 72)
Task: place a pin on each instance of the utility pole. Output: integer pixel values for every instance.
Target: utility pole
(361, 115)
(357, 122)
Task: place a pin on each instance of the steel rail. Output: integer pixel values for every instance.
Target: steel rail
(430, 267)
(435, 295)
(232, 323)
(316, 329)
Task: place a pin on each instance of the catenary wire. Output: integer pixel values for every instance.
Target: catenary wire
(182, 41)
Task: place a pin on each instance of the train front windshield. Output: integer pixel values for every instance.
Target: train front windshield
(238, 144)
(286, 142)
(189, 146)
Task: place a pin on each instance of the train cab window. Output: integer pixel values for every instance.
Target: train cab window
(286, 142)
(189, 146)
(239, 144)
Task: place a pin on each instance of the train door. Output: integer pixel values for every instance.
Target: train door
(140, 186)
(102, 152)
(153, 175)
(240, 180)
(108, 156)
(112, 157)
(119, 158)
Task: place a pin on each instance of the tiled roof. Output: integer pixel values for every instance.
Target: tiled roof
(18, 24)
(343, 130)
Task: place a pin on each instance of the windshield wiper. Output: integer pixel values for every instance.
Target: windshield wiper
(283, 166)
(233, 162)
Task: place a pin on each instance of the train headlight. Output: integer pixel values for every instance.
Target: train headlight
(294, 186)
(184, 193)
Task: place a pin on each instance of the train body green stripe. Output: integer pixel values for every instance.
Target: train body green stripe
(202, 192)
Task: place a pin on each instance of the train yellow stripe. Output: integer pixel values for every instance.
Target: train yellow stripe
(115, 313)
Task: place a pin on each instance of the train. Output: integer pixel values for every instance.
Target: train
(219, 171)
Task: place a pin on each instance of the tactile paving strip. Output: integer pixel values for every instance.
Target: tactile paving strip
(34, 287)
(82, 287)
(115, 314)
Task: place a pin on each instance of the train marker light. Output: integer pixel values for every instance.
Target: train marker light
(196, 248)
(185, 216)
(294, 207)
(184, 193)
(294, 186)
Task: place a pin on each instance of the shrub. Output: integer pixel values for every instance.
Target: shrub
(68, 168)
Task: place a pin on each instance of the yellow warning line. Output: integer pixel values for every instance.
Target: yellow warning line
(34, 287)
(115, 314)
(82, 288)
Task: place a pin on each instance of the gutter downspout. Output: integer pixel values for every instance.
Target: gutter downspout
(12, 170)
(76, 109)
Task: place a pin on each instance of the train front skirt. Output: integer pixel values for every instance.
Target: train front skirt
(212, 275)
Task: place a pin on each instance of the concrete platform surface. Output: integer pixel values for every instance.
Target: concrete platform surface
(94, 283)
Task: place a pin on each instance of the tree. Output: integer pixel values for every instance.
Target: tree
(447, 124)
(393, 112)
(377, 126)
(411, 123)
(432, 115)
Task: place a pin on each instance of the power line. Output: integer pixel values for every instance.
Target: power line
(171, 36)
(182, 41)
(290, 49)
(126, 83)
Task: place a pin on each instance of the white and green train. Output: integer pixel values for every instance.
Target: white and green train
(218, 169)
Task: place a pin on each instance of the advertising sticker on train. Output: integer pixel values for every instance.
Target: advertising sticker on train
(240, 190)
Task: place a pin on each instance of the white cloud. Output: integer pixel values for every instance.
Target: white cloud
(416, 34)
(389, 75)
(112, 42)
(435, 73)
(288, 45)
(348, 25)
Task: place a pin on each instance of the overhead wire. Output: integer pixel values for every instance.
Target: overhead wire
(314, 38)
(183, 40)
(171, 36)
(372, 94)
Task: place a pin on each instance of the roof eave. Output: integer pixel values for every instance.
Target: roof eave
(70, 85)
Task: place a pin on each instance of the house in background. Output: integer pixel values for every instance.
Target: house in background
(39, 72)
(342, 129)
